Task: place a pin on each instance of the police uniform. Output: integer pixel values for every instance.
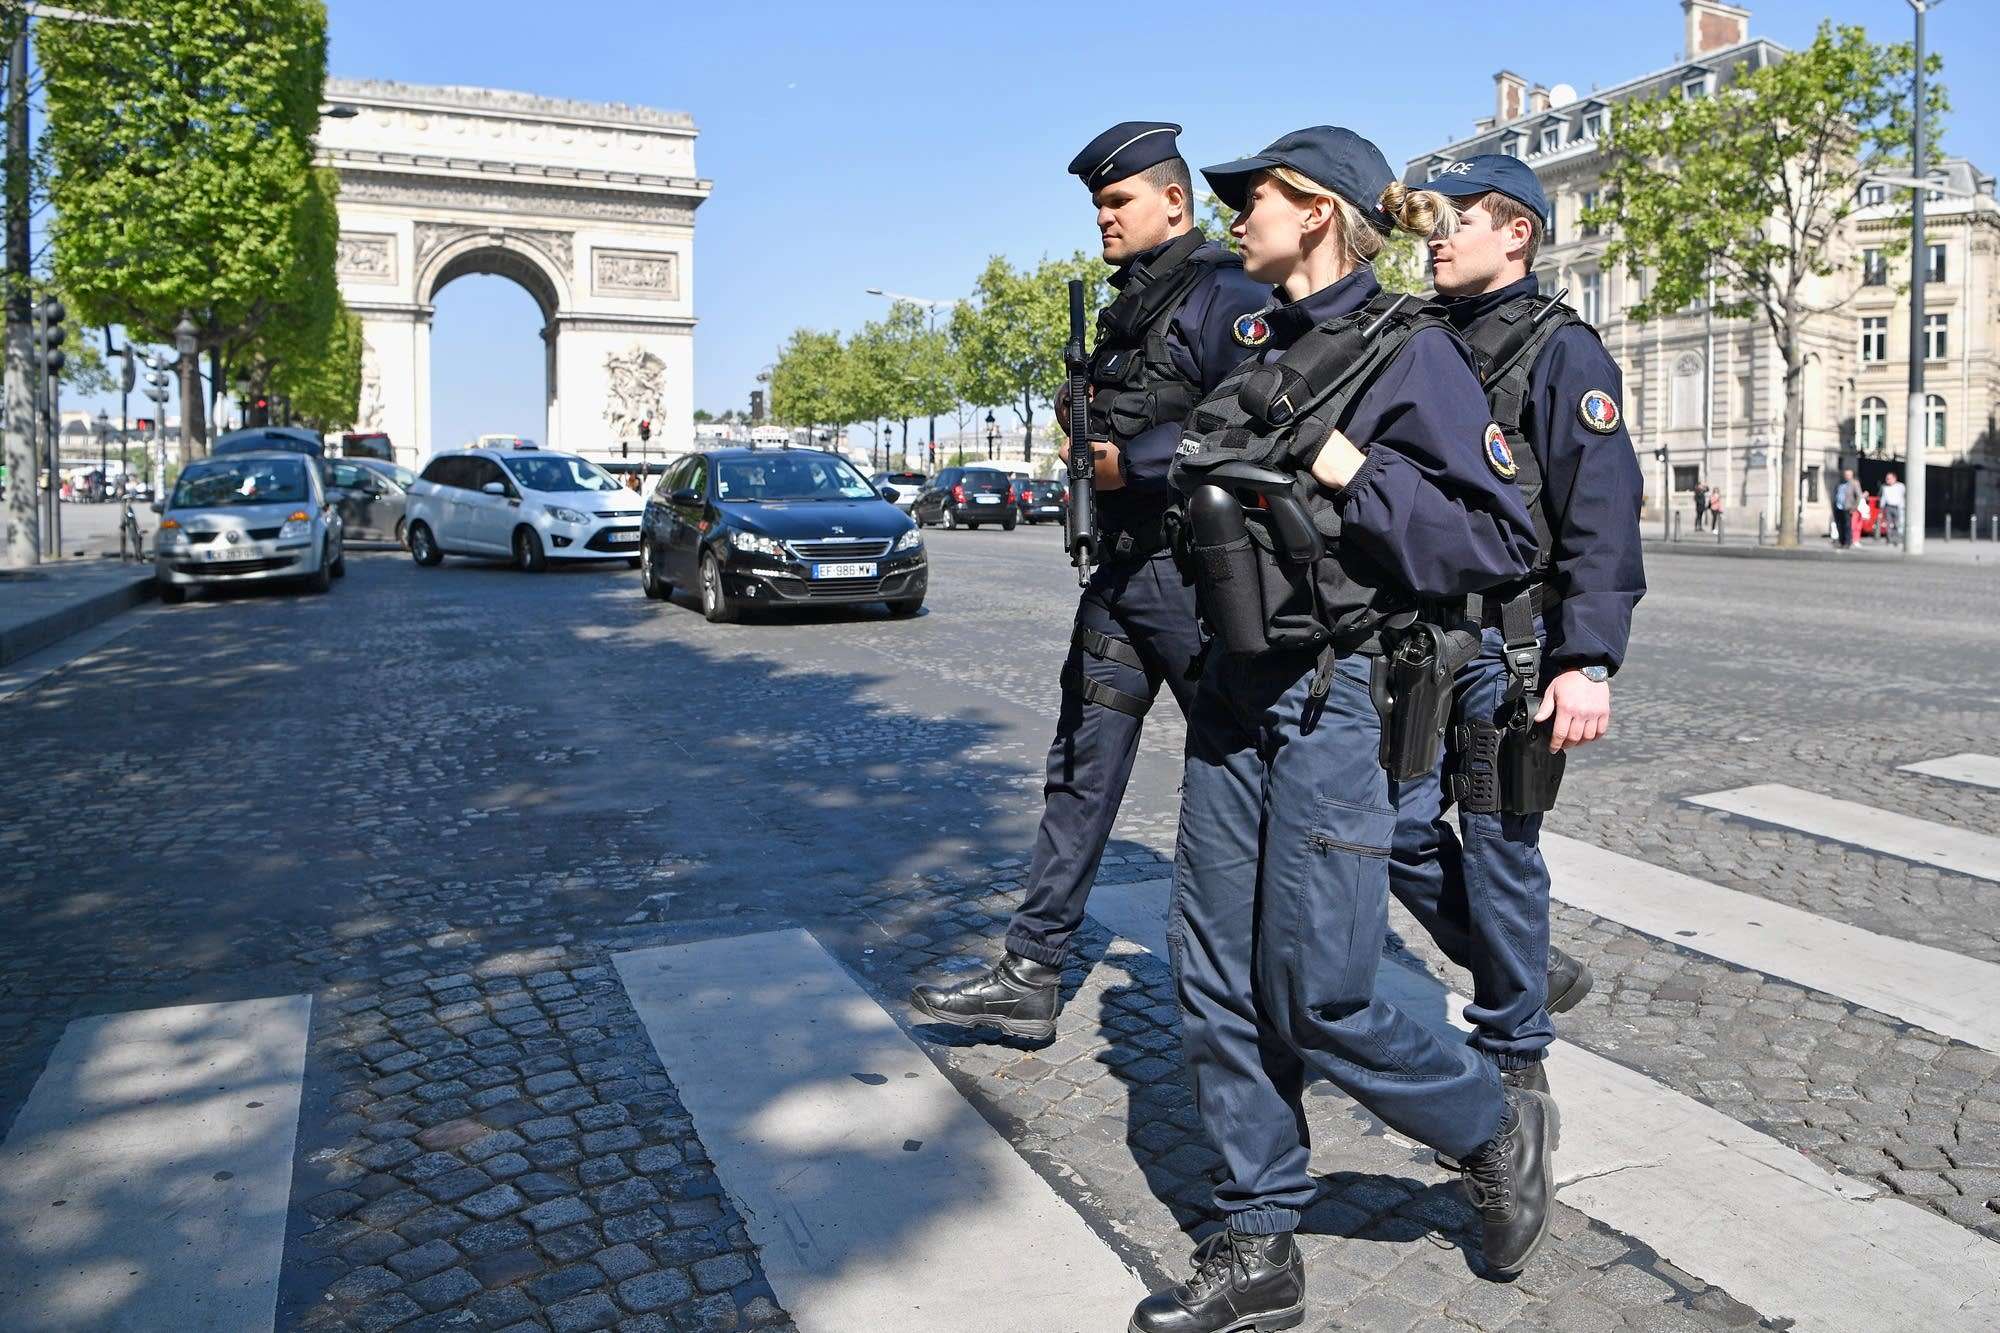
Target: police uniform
(1482, 890)
(1163, 342)
(1281, 868)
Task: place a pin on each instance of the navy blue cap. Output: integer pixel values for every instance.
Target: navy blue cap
(1341, 160)
(1126, 149)
(1496, 172)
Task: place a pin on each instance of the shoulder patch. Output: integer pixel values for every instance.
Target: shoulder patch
(1598, 411)
(1251, 330)
(1498, 456)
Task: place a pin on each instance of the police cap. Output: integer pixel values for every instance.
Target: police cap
(1496, 172)
(1126, 149)
(1338, 159)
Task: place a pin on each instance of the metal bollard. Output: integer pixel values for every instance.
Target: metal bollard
(1762, 518)
(1995, 521)
(1718, 528)
(1677, 525)
(1947, 527)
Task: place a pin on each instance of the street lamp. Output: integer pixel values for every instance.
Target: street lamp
(186, 344)
(992, 435)
(103, 451)
(1914, 463)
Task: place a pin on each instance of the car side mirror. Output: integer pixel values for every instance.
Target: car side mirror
(495, 488)
(159, 506)
(686, 496)
(889, 494)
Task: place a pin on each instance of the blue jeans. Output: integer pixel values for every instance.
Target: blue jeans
(1281, 880)
(1481, 890)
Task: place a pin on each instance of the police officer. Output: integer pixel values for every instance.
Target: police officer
(1482, 890)
(1281, 872)
(1162, 343)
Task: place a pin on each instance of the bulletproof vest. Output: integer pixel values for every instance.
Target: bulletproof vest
(1137, 385)
(1508, 342)
(1269, 419)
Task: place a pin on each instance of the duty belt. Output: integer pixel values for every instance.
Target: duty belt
(1140, 540)
(1487, 609)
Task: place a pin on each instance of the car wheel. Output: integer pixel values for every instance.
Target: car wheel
(322, 578)
(1006, 525)
(529, 557)
(908, 606)
(716, 603)
(950, 519)
(340, 563)
(423, 547)
(649, 575)
(173, 594)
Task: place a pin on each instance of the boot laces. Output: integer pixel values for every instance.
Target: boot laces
(1489, 1179)
(1218, 1257)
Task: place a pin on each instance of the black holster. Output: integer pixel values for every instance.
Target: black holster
(1412, 687)
(1506, 768)
(1225, 567)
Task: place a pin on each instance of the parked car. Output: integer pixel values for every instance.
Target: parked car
(1043, 500)
(372, 495)
(907, 485)
(528, 507)
(965, 497)
(254, 439)
(779, 527)
(245, 518)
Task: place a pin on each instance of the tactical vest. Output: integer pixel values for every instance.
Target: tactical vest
(1508, 343)
(1137, 385)
(1254, 437)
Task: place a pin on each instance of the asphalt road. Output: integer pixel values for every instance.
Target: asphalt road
(426, 771)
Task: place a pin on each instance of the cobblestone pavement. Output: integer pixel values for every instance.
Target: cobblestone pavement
(438, 801)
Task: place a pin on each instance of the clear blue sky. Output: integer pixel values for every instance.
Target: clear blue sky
(899, 145)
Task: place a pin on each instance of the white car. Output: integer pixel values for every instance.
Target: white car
(527, 506)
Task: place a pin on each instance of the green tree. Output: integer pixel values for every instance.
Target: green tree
(308, 350)
(181, 149)
(1745, 193)
(809, 382)
(1011, 336)
(323, 390)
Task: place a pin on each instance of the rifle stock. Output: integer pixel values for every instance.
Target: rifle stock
(1080, 527)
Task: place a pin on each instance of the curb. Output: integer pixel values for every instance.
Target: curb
(1862, 556)
(32, 637)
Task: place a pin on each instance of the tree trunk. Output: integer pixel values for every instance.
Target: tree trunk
(1791, 456)
(1028, 423)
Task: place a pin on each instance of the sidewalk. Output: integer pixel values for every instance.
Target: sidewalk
(1814, 546)
(40, 606)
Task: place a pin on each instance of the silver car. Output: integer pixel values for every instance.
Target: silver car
(246, 518)
(371, 495)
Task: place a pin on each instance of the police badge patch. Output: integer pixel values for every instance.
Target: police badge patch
(1498, 456)
(1251, 330)
(1598, 411)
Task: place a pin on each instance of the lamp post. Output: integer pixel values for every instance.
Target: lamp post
(186, 344)
(992, 435)
(103, 454)
(1914, 463)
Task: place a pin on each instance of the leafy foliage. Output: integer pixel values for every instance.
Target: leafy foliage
(1011, 336)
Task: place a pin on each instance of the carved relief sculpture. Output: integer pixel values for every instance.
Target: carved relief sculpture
(637, 384)
(369, 414)
(365, 256)
(654, 274)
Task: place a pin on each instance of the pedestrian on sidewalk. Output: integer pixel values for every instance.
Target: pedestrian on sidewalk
(1715, 509)
(1893, 494)
(1700, 502)
(1845, 495)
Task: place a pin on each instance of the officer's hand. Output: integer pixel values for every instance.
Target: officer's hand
(1110, 476)
(1337, 461)
(1582, 710)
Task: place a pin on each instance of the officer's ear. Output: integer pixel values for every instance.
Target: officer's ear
(1175, 196)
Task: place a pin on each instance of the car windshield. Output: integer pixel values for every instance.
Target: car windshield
(783, 476)
(213, 483)
(985, 478)
(553, 472)
(402, 476)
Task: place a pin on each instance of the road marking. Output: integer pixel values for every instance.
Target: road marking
(1978, 770)
(1730, 1205)
(145, 1183)
(1919, 840)
(1934, 989)
(880, 1198)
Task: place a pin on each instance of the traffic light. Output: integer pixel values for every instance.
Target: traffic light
(645, 429)
(1659, 455)
(142, 424)
(52, 335)
(756, 407)
(260, 412)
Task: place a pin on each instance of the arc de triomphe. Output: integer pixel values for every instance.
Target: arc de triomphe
(588, 206)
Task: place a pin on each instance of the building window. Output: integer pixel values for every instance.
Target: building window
(1593, 124)
(1743, 396)
(1874, 268)
(1686, 475)
(1591, 199)
(1874, 339)
(1590, 301)
(1684, 399)
(1694, 87)
(1934, 420)
(1937, 264)
(1874, 194)
(1552, 137)
(1936, 336)
(1514, 145)
(1874, 436)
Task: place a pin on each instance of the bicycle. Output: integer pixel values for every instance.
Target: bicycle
(129, 537)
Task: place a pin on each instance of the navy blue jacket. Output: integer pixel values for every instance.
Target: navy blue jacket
(1424, 505)
(1200, 342)
(1591, 486)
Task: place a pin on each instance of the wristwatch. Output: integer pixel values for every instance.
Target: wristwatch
(1596, 672)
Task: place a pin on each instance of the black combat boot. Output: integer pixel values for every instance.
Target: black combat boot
(1017, 995)
(1569, 981)
(1510, 1183)
(1241, 1284)
(1529, 1078)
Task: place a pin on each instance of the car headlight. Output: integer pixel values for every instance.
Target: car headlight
(297, 528)
(910, 541)
(562, 515)
(756, 545)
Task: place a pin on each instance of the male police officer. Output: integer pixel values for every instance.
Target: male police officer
(1483, 892)
(1162, 344)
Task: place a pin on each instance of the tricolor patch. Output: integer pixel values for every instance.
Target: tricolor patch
(1598, 411)
(1498, 456)
(1251, 330)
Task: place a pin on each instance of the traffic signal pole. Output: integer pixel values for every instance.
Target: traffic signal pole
(23, 536)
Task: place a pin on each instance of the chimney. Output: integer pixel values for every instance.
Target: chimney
(1510, 97)
(1538, 98)
(1712, 26)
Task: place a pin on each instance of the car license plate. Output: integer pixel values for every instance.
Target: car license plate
(852, 571)
(987, 499)
(622, 538)
(223, 554)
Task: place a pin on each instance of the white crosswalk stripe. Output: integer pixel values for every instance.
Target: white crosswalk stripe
(1935, 989)
(1719, 1200)
(1920, 840)
(1975, 770)
(881, 1199)
(145, 1183)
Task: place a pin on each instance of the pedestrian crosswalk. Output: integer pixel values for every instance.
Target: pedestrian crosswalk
(146, 1182)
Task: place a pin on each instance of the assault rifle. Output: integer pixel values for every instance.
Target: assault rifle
(1080, 526)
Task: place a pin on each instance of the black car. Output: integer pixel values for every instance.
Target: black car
(965, 497)
(778, 527)
(1043, 500)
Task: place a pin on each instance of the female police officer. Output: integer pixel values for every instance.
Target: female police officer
(1281, 873)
